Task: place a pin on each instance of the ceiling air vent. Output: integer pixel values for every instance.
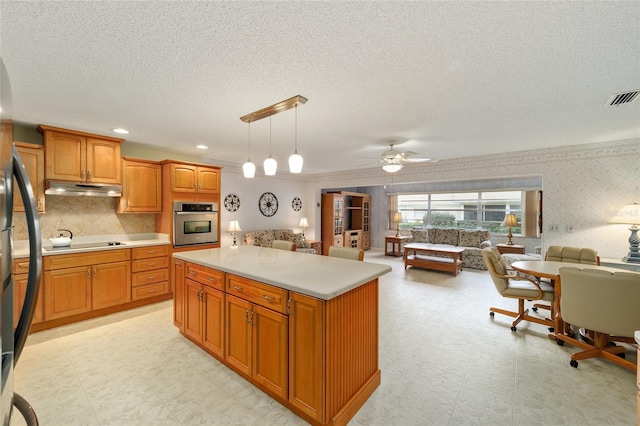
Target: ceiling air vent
(623, 98)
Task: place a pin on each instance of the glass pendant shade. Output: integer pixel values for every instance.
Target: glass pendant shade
(270, 166)
(295, 163)
(249, 169)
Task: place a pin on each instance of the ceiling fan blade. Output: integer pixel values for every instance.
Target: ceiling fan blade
(419, 160)
(409, 153)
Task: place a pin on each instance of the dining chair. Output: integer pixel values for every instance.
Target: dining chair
(284, 245)
(346, 253)
(604, 302)
(516, 287)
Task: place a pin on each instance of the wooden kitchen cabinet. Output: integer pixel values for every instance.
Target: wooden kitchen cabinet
(186, 177)
(81, 157)
(177, 282)
(20, 274)
(79, 283)
(141, 187)
(256, 335)
(32, 157)
(150, 271)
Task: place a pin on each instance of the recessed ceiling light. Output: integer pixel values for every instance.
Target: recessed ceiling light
(202, 147)
(121, 131)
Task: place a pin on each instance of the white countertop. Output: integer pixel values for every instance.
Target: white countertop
(637, 337)
(21, 247)
(317, 276)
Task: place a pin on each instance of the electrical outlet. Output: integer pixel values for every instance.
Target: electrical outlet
(553, 227)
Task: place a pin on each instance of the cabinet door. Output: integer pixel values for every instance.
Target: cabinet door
(65, 157)
(306, 367)
(192, 310)
(104, 164)
(238, 334)
(183, 178)
(19, 292)
(141, 187)
(111, 284)
(33, 160)
(177, 284)
(269, 352)
(67, 292)
(213, 331)
(208, 180)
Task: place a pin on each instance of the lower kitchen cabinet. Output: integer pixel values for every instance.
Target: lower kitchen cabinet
(111, 284)
(67, 292)
(256, 340)
(177, 281)
(20, 267)
(150, 267)
(204, 316)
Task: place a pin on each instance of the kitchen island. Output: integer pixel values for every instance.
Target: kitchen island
(302, 328)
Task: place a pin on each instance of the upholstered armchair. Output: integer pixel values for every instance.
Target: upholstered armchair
(604, 302)
(516, 287)
(284, 245)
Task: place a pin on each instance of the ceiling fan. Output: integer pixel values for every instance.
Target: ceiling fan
(393, 160)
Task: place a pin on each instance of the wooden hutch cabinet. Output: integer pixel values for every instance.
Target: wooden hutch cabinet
(346, 220)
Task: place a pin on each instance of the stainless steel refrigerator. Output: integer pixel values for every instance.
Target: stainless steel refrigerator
(12, 339)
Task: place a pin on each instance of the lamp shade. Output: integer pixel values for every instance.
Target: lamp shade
(510, 221)
(392, 167)
(304, 223)
(295, 163)
(270, 166)
(249, 169)
(233, 227)
(397, 217)
(629, 214)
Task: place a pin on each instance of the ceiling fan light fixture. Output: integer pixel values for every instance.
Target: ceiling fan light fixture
(392, 167)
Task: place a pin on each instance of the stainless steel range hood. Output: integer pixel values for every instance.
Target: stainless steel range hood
(81, 189)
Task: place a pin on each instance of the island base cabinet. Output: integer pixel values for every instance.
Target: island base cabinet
(204, 316)
(257, 344)
(306, 367)
(177, 280)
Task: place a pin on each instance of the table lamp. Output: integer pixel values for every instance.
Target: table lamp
(304, 223)
(233, 227)
(630, 215)
(510, 221)
(397, 219)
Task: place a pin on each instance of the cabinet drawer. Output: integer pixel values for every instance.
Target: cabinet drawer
(261, 294)
(148, 277)
(20, 266)
(149, 264)
(147, 252)
(207, 276)
(337, 241)
(63, 261)
(149, 290)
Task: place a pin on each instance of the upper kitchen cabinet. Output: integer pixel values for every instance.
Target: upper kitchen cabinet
(32, 157)
(81, 157)
(187, 177)
(141, 187)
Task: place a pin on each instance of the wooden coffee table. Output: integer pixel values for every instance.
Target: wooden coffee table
(422, 255)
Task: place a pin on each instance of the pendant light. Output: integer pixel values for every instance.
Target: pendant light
(248, 168)
(270, 164)
(296, 160)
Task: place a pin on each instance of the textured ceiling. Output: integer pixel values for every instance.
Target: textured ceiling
(444, 79)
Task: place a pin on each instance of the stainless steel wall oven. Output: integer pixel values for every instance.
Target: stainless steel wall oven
(194, 223)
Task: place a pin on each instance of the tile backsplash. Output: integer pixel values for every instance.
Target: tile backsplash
(85, 216)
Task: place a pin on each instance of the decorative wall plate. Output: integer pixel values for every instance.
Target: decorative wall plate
(232, 202)
(296, 204)
(268, 204)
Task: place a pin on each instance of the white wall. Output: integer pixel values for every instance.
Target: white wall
(284, 186)
(582, 186)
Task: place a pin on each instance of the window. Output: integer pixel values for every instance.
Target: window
(468, 210)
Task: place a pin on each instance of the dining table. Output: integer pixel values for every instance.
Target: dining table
(551, 270)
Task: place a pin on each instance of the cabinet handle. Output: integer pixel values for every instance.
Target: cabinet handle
(89, 273)
(252, 314)
(150, 277)
(82, 174)
(192, 272)
(236, 288)
(151, 264)
(246, 316)
(213, 279)
(150, 291)
(88, 174)
(289, 306)
(95, 272)
(269, 298)
(177, 262)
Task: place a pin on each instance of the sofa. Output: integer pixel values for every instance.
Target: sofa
(473, 241)
(265, 237)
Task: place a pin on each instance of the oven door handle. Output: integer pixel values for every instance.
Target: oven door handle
(192, 213)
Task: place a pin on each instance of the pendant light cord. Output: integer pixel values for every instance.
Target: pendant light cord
(295, 151)
(270, 136)
(249, 153)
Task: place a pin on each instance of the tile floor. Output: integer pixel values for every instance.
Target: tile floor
(444, 361)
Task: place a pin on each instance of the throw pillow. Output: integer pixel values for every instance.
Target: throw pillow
(420, 235)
